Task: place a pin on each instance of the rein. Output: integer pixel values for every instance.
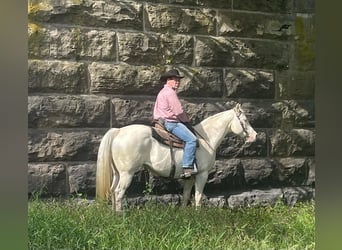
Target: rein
(203, 139)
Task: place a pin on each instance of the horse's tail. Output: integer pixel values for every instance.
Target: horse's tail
(105, 168)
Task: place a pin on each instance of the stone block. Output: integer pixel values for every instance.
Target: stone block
(291, 114)
(294, 142)
(249, 83)
(57, 77)
(108, 14)
(256, 25)
(141, 201)
(255, 198)
(51, 146)
(46, 179)
(200, 82)
(170, 19)
(161, 186)
(233, 146)
(68, 111)
(217, 202)
(258, 172)
(232, 52)
(293, 195)
(227, 174)
(127, 111)
(71, 43)
(177, 49)
(139, 48)
(82, 178)
(124, 79)
(292, 171)
(297, 85)
(276, 6)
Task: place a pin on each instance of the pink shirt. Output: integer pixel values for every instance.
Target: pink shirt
(168, 106)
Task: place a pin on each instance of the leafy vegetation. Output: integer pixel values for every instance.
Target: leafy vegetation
(71, 225)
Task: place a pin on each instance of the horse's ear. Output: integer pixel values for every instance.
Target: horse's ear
(237, 107)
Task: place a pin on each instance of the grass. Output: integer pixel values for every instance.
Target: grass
(68, 225)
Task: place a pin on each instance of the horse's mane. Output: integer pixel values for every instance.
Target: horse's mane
(213, 117)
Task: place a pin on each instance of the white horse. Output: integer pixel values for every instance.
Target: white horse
(124, 151)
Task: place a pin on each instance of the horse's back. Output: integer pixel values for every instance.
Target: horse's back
(136, 130)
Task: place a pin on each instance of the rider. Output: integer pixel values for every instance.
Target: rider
(168, 108)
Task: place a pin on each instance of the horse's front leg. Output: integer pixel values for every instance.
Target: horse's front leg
(201, 180)
(187, 191)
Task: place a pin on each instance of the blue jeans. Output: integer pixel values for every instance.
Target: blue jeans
(182, 132)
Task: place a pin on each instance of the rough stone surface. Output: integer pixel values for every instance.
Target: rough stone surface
(138, 48)
(47, 146)
(93, 65)
(68, 111)
(295, 142)
(71, 43)
(255, 198)
(57, 77)
(228, 52)
(82, 178)
(107, 14)
(256, 25)
(298, 85)
(249, 84)
(47, 178)
(163, 18)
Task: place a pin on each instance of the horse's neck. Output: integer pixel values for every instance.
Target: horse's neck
(216, 127)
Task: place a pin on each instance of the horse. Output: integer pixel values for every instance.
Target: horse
(126, 150)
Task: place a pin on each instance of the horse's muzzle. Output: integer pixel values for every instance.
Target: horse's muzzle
(251, 137)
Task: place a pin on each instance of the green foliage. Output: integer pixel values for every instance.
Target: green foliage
(69, 225)
(304, 46)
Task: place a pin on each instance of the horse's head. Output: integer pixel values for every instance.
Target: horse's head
(241, 126)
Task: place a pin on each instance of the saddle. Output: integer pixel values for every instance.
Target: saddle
(160, 133)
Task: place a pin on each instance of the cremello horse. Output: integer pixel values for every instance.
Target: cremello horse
(124, 151)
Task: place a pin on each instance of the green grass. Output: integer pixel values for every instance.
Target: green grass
(68, 225)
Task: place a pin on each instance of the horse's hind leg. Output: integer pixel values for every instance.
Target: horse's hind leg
(113, 186)
(123, 183)
(201, 180)
(187, 191)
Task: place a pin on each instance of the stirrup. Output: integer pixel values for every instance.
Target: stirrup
(188, 172)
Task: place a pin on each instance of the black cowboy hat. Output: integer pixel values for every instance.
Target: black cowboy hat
(170, 73)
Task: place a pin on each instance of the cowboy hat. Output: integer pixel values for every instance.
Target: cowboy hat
(170, 73)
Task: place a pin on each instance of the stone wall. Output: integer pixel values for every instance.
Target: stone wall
(94, 65)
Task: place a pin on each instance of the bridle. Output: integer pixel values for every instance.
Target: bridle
(243, 125)
(238, 113)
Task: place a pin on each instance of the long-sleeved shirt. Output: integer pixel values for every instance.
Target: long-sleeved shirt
(168, 106)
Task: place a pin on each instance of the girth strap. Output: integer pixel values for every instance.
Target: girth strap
(173, 164)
